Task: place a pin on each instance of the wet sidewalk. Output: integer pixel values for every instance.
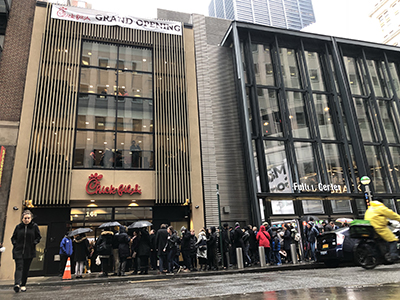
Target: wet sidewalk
(94, 277)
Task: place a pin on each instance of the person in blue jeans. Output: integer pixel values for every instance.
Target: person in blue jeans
(311, 234)
(276, 247)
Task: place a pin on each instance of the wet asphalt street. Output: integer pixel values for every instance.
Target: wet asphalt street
(352, 283)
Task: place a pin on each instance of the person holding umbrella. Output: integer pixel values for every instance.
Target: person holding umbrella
(24, 239)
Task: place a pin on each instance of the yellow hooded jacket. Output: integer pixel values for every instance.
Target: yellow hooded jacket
(378, 214)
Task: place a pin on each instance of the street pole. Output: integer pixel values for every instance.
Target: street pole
(219, 226)
(365, 180)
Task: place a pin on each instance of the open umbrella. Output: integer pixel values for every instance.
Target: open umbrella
(344, 220)
(140, 224)
(109, 224)
(79, 231)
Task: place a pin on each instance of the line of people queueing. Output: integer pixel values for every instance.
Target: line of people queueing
(120, 252)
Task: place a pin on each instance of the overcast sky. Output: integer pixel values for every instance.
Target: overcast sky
(342, 18)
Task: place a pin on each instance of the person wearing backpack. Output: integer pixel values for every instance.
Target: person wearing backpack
(276, 247)
(312, 234)
(263, 239)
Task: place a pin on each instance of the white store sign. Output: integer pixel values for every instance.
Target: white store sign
(84, 15)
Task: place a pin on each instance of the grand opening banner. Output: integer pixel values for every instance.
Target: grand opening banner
(84, 15)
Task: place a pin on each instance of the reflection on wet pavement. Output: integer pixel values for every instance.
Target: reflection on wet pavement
(382, 292)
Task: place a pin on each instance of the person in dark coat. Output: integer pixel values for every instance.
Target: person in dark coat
(81, 252)
(104, 250)
(226, 244)
(153, 250)
(161, 243)
(185, 248)
(144, 251)
(237, 239)
(24, 239)
(123, 250)
(172, 249)
(134, 251)
(253, 249)
(212, 249)
(193, 250)
(66, 250)
(287, 241)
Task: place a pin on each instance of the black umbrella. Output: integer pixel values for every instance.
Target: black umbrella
(109, 224)
(140, 224)
(79, 231)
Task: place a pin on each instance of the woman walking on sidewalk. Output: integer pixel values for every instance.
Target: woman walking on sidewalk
(24, 239)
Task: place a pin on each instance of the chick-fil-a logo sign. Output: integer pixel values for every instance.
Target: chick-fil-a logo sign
(93, 187)
(63, 13)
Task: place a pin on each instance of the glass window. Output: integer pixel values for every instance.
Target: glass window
(94, 149)
(378, 82)
(365, 119)
(395, 77)
(375, 165)
(282, 207)
(290, 70)
(134, 151)
(109, 125)
(133, 213)
(270, 113)
(388, 116)
(99, 55)
(395, 153)
(298, 115)
(135, 115)
(306, 163)
(135, 59)
(325, 121)
(277, 167)
(262, 58)
(313, 206)
(353, 76)
(253, 144)
(314, 71)
(361, 206)
(341, 206)
(98, 81)
(333, 165)
(96, 112)
(135, 84)
(91, 214)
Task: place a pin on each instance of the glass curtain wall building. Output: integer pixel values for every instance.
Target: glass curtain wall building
(290, 14)
(319, 113)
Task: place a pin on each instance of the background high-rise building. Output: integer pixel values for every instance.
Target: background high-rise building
(290, 14)
(387, 14)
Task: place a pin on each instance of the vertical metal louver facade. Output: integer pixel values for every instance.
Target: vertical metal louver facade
(50, 161)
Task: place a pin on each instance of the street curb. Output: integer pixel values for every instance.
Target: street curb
(57, 281)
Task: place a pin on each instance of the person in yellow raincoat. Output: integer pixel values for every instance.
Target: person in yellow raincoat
(378, 215)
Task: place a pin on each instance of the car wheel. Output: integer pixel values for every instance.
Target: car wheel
(332, 263)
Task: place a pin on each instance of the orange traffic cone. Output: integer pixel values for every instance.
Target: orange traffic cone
(67, 271)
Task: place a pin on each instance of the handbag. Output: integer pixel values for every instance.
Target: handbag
(98, 261)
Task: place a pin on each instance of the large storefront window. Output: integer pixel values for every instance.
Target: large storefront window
(277, 167)
(282, 207)
(375, 164)
(306, 163)
(270, 114)
(115, 108)
(313, 206)
(298, 115)
(341, 206)
(333, 164)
